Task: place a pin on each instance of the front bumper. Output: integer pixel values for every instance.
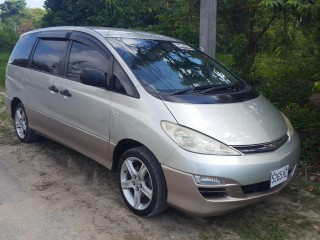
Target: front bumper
(183, 194)
(246, 179)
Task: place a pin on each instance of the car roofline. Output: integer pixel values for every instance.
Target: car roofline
(107, 32)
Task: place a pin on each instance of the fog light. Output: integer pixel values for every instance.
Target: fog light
(205, 180)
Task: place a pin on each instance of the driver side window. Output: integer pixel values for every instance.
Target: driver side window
(83, 56)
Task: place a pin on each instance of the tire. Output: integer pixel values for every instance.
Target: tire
(142, 183)
(24, 133)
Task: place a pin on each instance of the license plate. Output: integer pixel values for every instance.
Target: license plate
(279, 176)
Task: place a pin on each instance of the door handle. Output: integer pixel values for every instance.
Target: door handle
(53, 89)
(66, 93)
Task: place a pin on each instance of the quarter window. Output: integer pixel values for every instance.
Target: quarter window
(83, 56)
(21, 52)
(121, 83)
(49, 55)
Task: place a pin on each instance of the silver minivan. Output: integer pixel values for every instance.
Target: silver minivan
(177, 127)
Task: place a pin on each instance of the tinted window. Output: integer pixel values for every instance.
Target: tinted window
(167, 67)
(21, 52)
(83, 56)
(48, 56)
(121, 83)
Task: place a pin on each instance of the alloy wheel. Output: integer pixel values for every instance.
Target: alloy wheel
(20, 123)
(136, 183)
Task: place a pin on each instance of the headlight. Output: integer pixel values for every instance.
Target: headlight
(289, 125)
(196, 142)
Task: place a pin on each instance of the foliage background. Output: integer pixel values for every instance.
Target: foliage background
(272, 44)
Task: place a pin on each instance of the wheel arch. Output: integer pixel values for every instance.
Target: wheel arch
(121, 147)
(14, 103)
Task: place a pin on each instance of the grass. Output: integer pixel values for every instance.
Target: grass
(7, 135)
(6, 128)
(4, 56)
(3, 114)
(311, 189)
(292, 215)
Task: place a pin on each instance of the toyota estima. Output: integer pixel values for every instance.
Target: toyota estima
(179, 128)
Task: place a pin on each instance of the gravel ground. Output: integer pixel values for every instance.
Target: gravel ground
(56, 193)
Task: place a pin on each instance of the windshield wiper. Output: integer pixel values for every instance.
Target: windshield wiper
(190, 89)
(207, 88)
(218, 88)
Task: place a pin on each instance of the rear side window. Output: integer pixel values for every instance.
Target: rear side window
(49, 55)
(83, 56)
(21, 52)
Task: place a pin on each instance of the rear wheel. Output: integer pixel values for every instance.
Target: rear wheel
(24, 133)
(142, 183)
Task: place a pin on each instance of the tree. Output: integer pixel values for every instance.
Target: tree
(242, 27)
(10, 15)
(11, 8)
(11, 12)
(32, 19)
(17, 19)
(180, 19)
(35, 16)
(109, 13)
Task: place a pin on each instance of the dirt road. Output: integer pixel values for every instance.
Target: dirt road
(50, 192)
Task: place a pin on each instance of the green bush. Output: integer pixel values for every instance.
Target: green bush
(4, 56)
(306, 122)
(288, 83)
(8, 39)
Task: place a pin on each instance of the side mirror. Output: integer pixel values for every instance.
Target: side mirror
(93, 77)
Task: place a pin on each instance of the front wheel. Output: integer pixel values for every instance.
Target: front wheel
(142, 183)
(24, 133)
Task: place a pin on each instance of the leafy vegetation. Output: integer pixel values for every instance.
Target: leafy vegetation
(16, 19)
(4, 56)
(273, 44)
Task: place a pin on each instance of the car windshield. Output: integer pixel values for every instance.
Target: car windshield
(168, 67)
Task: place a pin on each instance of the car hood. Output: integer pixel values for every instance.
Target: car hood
(244, 123)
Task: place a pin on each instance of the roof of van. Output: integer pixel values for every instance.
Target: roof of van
(110, 32)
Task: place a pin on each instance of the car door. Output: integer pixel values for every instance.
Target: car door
(84, 109)
(41, 81)
(125, 106)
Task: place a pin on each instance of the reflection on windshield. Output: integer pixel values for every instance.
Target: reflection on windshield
(167, 67)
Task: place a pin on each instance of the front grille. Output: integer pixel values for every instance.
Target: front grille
(263, 147)
(213, 192)
(259, 187)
